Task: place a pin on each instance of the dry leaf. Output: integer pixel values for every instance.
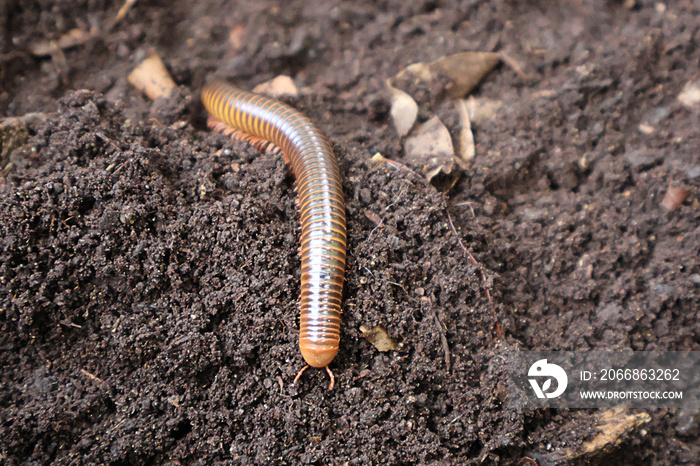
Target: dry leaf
(429, 144)
(404, 110)
(421, 71)
(466, 137)
(466, 70)
(613, 426)
(378, 337)
(430, 147)
(281, 86)
(152, 78)
(690, 96)
(463, 70)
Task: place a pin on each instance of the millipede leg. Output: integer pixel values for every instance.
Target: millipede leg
(299, 374)
(237, 135)
(330, 374)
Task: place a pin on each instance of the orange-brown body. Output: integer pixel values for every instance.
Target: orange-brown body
(321, 204)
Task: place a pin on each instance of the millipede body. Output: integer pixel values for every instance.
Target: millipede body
(321, 205)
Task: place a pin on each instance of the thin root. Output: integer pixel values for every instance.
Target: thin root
(330, 374)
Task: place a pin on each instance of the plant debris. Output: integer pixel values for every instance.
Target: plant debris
(72, 38)
(281, 86)
(690, 95)
(430, 148)
(152, 78)
(466, 137)
(612, 426)
(674, 197)
(404, 110)
(124, 10)
(378, 337)
(461, 72)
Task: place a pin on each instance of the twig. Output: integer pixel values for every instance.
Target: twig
(399, 166)
(480, 273)
(399, 285)
(375, 229)
(441, 330)
(514, 65)
(468, 204)
(93, 377)
(124, 10)
(72, 38)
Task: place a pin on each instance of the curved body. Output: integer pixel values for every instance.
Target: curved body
(321, 204)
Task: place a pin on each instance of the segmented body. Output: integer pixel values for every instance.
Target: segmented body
(321, 205)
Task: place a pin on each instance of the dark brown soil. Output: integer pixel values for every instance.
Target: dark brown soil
(149, 271)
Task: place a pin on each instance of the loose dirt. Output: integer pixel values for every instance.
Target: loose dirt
(149, 270)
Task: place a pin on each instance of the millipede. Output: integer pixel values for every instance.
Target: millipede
(262, 120)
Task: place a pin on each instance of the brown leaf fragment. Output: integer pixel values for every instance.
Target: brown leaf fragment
(378, 337)
(674, 197)
(443, 178)
(465, 69)
(421, 71)
(404, 110)
(281, 86)
(451, 76)
(613, 426)
(466, 137)
(151, 77)
(430, 147)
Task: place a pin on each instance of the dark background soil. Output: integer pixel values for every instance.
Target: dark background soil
(149, 271)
